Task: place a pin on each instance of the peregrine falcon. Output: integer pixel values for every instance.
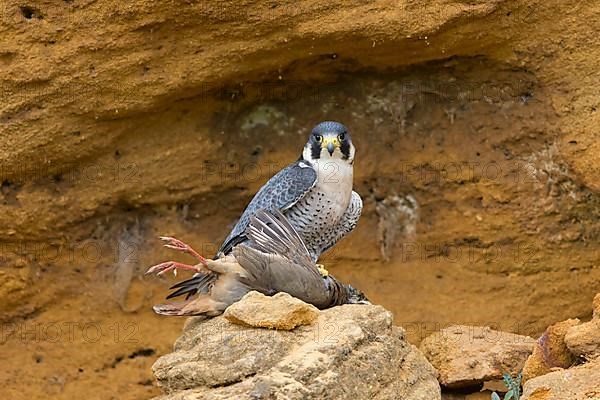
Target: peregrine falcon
(314, 194)
(272, 259)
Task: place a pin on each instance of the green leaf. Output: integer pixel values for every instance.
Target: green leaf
(517, 387)
(507, 380)
(495, 396)
(509, 395)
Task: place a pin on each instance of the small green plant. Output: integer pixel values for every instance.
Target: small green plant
(513, 385)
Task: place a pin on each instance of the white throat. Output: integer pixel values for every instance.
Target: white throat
(334, 180)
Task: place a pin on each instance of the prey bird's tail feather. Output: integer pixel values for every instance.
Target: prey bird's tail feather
(202, 306)
(169, 308)
(199, 283)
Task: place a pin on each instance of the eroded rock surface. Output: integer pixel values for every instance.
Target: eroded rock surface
(584, 340)
(352, 351)
(467, 356)
(577, 383)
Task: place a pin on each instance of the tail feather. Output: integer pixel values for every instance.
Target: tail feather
(199, 283)
(203, 306)
(169, 308)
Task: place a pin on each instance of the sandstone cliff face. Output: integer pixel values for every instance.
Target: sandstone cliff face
(475, 122)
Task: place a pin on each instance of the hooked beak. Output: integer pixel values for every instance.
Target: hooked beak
(330, 143)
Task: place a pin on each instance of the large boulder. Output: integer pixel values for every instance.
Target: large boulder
(467, 356)
(577, 383)
(351, 351)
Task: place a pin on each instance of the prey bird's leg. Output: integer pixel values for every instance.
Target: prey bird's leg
(178, 245)
(161, 268)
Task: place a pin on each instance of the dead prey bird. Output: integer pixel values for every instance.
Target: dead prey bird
(274, 259)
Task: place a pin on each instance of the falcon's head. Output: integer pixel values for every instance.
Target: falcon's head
(327, 140)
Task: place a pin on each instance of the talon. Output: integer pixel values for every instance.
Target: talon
(322, 270)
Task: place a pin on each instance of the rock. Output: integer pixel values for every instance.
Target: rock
(478, 396)
(281, 311)
(596, 306)
(577, 383)
(351, 351)
(485, 395)
(470, 355)
(584, 340)
(550, 351)
(559, 347)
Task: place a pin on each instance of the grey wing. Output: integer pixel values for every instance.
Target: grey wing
(271, 232)
(281, 192)
(276, 260)
(347, 223)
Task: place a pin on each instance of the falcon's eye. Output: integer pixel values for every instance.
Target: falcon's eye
(319, 138)
(341, 137)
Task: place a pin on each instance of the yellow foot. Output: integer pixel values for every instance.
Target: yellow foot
(322, 270)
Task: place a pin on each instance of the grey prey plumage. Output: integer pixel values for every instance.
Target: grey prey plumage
(314, 193)
(273, 259)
